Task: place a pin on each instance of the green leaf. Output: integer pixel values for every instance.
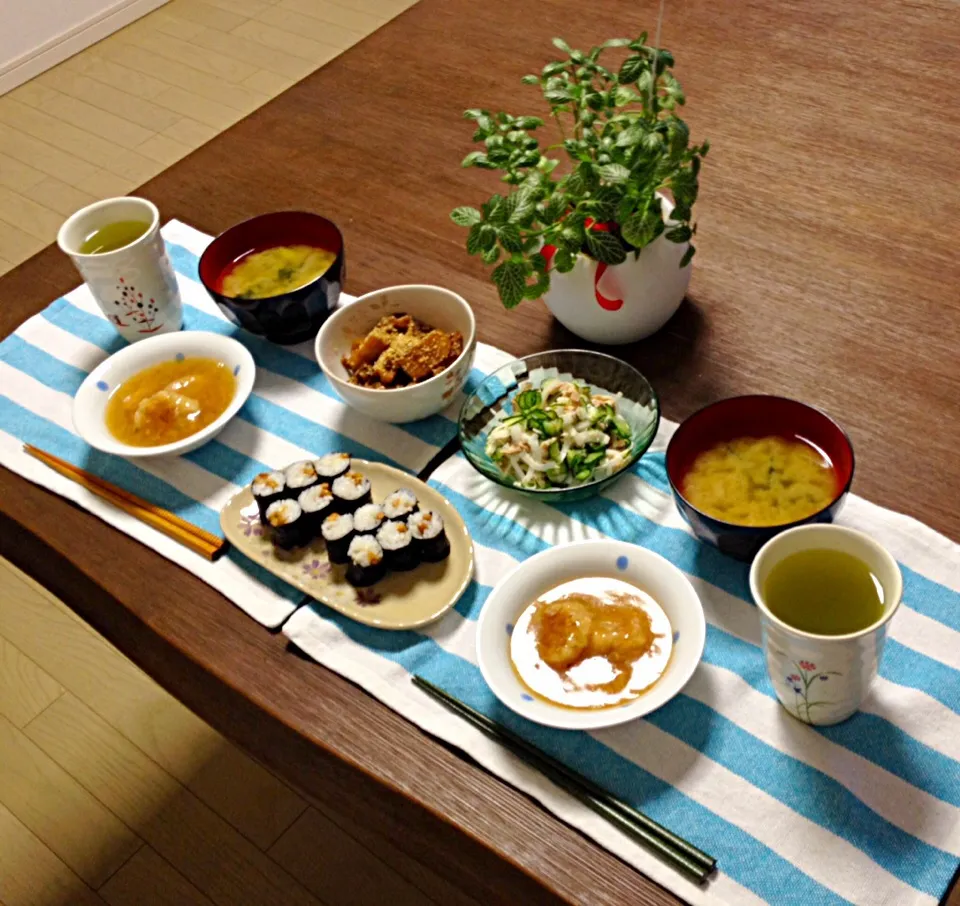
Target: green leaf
(529, 122)
(509, 237)
(465, 216)
(552, 69)
(555, 208)
(631, 69)
(616, 42)
(560, 44)
(536, 289)
(623, 96)
(564, 260)
(496, 210)
(605, 247)
(488, 237)
(491, 256)
(530, 80)
(688, 256)
(629, 136)
(638, 230)
(615, 173)
(473, 159)
(558, 96)
(571, 238)
(473, 240)
(473, 113)
(510, 277)
(525, 206)
(681, 233)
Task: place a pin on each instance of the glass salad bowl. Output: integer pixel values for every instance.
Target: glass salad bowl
(524, 399)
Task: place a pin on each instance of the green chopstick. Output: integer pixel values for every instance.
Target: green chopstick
(679, 853)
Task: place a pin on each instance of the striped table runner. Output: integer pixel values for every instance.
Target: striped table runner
(866, 812)
(292, 414)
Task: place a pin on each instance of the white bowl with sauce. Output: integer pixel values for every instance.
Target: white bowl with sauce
(90, 403)
(635, 577)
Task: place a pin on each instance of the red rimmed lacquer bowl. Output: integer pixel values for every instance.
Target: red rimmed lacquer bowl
(288, 317)
(755, 416)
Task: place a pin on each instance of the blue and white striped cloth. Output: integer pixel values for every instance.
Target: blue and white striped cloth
(866, 812)
(292, 414)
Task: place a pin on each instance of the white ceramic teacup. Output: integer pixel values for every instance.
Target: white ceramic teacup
(822, 679)
(134, 286)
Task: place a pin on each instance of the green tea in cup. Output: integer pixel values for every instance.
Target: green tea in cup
(113, 236)
(117, 247)
(825, 592)
(826, 595)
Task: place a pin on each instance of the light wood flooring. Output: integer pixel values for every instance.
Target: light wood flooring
(118, 113)
(112, 792)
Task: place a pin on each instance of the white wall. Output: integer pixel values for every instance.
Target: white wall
(38, 34)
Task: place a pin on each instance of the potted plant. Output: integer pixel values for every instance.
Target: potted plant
(606, 239)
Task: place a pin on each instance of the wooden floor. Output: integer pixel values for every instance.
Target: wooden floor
(112, 792)
(121, 111)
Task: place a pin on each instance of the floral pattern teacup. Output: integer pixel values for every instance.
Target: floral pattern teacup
(134, 286)
(823, 679)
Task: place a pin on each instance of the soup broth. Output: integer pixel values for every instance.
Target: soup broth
(591, 643)
(273, 271)
(825, 592)
(113, 236)
(169, 401)
(761, 481)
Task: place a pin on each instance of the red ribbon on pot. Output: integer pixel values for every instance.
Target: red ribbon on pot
(548, 251)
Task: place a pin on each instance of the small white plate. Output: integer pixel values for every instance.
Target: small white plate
(90, 403)
(616, 559)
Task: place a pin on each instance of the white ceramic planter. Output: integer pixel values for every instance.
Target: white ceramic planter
(629, 301)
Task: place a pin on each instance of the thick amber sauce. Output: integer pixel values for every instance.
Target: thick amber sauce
(594, 642)
(169, 401)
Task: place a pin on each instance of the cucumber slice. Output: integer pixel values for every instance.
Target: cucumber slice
(593, 458)
(557, 476)
(529, 399)
(621, 426)
(512, 420)
(583, 475)
(553, 426)
(554, 451)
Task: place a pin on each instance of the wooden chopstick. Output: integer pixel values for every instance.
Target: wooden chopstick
(197, 539)
(682, 855)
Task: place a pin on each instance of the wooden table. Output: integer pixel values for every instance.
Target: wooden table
(828, 270)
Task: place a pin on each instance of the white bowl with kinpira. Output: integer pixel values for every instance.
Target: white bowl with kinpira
(399, 354)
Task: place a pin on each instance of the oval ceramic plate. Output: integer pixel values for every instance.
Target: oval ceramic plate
(401, 600)
(548, 569)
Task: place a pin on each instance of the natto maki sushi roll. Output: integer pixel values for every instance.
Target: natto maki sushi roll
(366, 561)
(351, 491)
(368, 519)
(316, 502)
(332, 465)
(398, 551)
(267, 488)
(400, 504)
(300, 476)
(290, 529)
(429, 536)
(337, 531)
